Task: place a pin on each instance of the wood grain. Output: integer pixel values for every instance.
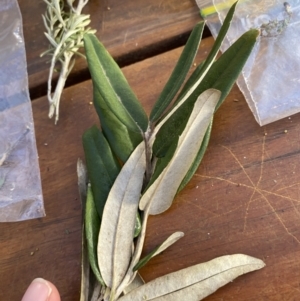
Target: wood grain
(244, 198)
(131, 30)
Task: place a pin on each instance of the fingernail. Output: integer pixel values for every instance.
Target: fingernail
(38, 290)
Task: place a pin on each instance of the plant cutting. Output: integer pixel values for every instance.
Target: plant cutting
(137, 164)
(65, 27)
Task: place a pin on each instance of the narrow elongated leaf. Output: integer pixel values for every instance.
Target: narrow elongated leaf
(179, 73)
(237, 54)
(138, 225)
(198, 159)
(117, 229)
(92, 228)
(113, 87)
(219, 40)
(121, 140)
(167, 243)
(221, 76)
(196, 282)
(201, 71)
(137, 282)
(161, 193)
(85, 266)
(101, 165)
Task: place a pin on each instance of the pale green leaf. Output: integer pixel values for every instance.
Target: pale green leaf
(162, 192)
(137, 282)
(196, 282)
(118, 221)
(167, 243)
(198, 159)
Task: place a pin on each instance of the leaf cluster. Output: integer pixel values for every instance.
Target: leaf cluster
(136, 165)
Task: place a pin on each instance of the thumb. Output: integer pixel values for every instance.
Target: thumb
(41, 290)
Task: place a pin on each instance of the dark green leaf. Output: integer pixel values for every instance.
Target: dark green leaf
(113, 87)
(138, 225)
(121, 140)
(179, 73)
(101, 165)
(92, 228)
(226, 69)
(204, 67)
(221, 35)
(191, 81)
(221, 76)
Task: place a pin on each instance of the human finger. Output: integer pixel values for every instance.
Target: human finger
(41, 290)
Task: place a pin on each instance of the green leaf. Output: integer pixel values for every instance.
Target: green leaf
(167, 243)
(138, 225)
(196, 282)
(221, 76)
(121, 140)
(113, 87)
(118, 221)
(162, 192)
(204, 67)
(101, 165)
(92, 228)
(85, 265)
(198, 158)
(225, 71)
(179, 73)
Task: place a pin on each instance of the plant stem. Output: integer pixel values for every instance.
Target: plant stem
(55, 99)
(148, 152)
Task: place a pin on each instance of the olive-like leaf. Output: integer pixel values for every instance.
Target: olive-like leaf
(85, 266)
(199, 74)
(198, 158)
(221, 76)
(166, 244)
(161, 193)
(118, 221)
(112, 85)
(92, 228)
(137, 282)
(179, 73)
(101, 165)
(138, 225)
(196, 282)
(122, 141)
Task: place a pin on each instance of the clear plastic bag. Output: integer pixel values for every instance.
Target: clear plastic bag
(20, 183)
(270, 79)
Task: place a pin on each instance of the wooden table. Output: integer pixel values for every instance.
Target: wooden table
(244, 197)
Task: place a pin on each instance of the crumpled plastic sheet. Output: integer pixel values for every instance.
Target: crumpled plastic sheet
(270, 80)
(20, 184)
